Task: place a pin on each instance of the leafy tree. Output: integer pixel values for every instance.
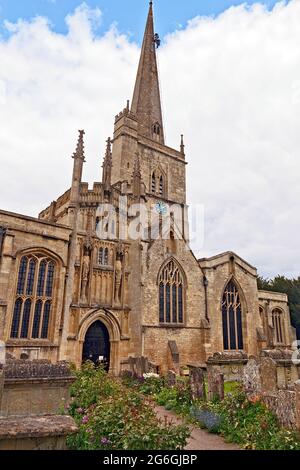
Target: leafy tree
(291, 287)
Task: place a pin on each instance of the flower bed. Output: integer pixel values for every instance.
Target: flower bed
(246, 422)
(113, 416)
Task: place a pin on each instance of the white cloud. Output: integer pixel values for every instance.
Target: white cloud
(234, 93)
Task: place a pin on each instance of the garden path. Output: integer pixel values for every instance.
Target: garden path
(200, 439)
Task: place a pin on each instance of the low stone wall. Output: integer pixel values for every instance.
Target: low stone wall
(35, 433)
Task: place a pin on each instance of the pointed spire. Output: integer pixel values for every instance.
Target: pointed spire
(146, 103)
(107, 166)
(79, 152)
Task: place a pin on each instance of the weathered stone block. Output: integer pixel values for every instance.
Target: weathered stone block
(215, 385)
(36, 433)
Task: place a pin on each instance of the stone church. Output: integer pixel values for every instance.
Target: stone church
(67, 293)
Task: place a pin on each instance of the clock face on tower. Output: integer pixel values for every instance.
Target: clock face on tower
(161, 208)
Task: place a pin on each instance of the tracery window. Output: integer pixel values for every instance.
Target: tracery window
(171, 294)
(103, 257)
(232, 318)
(34, 297)
(277, 321)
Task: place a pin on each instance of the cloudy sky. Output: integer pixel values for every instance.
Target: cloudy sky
(230, 76)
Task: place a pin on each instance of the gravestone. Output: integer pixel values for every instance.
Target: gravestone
(251, 377)
(268, 373)
(171, 378)
(197, 383)
(215, 385)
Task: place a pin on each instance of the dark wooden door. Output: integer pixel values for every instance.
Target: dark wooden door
(96, 345)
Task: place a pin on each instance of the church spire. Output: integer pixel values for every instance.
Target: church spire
(146, 103)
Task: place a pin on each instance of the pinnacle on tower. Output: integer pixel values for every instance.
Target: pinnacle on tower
(79, 152)
(137, 177)
(107, 166)
(146, 103)
(182, 146)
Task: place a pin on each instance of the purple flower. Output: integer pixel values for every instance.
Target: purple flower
(105, 441)
(85, 420)
(80, 411)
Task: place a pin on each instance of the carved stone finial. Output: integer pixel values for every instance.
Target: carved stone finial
(79, 152)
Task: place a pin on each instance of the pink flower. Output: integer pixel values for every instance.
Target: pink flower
(85, 420)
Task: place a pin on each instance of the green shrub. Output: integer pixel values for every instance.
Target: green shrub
(177, 397)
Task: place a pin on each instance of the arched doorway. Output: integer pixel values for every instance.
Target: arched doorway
(96, 347)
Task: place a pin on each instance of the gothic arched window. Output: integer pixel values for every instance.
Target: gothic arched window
(171, 294)
(232, 318)
(34, 296)
(277, 321)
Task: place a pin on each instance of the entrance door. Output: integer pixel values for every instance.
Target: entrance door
(96, 346)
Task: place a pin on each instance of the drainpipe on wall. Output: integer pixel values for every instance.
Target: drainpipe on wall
(205, 284)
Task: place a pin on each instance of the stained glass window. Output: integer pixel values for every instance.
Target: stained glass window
(34, 289)
(41, 278)
(46, 318)
(171, 289)
(37, 319)
(22, 275)
(50, 278)
(26, 318)
(232, 318)
(16, 319)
